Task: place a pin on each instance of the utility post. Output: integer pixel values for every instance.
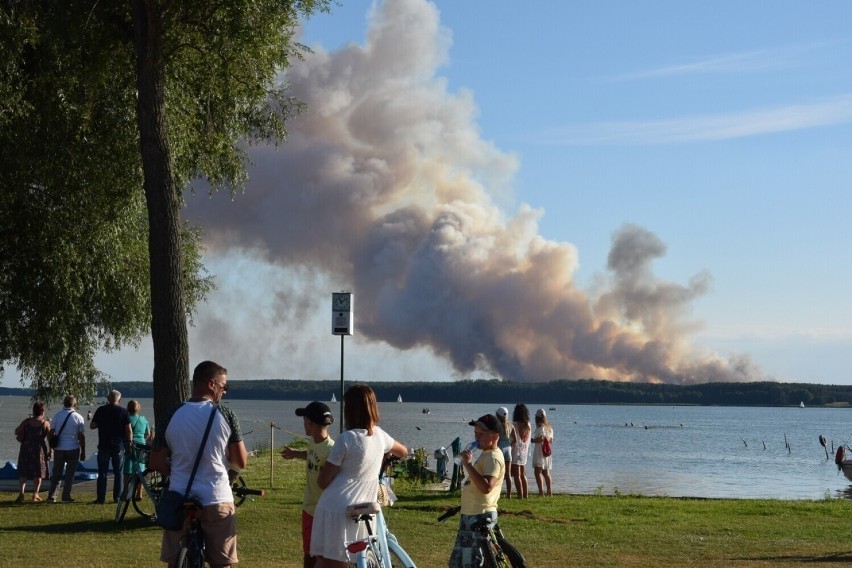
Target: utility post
(342, 323)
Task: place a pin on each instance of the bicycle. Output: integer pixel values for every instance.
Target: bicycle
(150, 480)
(380, 548)
(154, 483)
(498, 552)
(192, 547)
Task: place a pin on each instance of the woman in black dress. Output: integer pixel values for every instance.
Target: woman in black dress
(32, 459)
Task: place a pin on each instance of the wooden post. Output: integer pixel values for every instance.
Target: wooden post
(271, 451)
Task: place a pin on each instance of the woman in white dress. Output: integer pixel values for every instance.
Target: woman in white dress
(351, 475)
(542, 464)
(521, 448)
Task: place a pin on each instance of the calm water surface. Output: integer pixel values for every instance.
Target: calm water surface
(681, 451)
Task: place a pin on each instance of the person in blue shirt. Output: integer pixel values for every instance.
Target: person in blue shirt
(142, 435)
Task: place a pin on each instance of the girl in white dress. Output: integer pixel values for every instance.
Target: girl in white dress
(542, 464)
(521, 448)
(351, 475)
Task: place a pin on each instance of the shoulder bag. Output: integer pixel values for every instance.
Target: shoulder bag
(170, 510)
(546, 450)
(53, 436)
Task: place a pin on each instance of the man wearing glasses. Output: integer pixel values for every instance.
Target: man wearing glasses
(177, 446)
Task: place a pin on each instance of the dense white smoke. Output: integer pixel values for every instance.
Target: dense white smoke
(386, 188)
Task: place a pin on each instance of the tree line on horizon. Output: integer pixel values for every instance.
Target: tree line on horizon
(583, 391)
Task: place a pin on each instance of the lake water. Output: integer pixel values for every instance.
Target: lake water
(680, 451)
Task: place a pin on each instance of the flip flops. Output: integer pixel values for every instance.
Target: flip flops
(36, 499)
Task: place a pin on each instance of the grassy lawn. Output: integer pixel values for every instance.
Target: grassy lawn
(566, 530)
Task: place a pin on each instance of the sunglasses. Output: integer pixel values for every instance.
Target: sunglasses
(223, 386)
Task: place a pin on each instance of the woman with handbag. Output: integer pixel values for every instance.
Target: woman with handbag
(33, 455)
(542, 460)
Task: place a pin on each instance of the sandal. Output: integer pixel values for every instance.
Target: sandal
(36, 499)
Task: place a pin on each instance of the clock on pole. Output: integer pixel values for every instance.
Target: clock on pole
(341, 313)
(341, 324)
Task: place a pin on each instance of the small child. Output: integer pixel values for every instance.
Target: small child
(317, 417)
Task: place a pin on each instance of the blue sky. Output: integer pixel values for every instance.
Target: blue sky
(715, 137)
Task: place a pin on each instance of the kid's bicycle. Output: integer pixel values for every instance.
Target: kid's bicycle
(498, 552)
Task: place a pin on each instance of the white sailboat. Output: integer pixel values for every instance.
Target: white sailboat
(399, 398)
(333, 399)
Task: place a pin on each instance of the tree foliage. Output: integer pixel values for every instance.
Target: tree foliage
(73, 256)
(92, 250)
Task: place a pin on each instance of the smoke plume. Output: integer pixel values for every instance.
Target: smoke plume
(385, 187)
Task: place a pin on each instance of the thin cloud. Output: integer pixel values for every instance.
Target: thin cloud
(826, 112)
(760, 60)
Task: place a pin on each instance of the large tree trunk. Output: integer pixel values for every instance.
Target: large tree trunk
(168, 313)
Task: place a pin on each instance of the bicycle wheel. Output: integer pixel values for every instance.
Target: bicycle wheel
(398, 556)
(515, 558)
(370, 560)
(182, 558)
(239, 496)
(493, 556)
(124, 500)
(189, 558)
(147, 504)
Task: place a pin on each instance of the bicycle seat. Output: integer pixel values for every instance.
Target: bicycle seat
(366, 508)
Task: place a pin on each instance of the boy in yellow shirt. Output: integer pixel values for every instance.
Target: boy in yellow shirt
(480, 493)
(317, 418)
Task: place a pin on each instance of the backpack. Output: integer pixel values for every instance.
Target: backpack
(546, 450)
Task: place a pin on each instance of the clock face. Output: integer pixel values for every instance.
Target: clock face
(340, 302)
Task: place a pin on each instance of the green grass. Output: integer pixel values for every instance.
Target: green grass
(566, 530)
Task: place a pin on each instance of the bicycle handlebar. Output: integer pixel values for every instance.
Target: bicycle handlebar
(450, 512)
(242, 491)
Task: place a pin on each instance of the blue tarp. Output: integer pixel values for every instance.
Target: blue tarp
(10, 471)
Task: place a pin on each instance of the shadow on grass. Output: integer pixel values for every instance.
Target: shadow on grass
(441, 507)
(839, 558)
(82, 527)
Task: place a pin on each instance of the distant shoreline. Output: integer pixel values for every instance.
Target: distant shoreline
(545, 394)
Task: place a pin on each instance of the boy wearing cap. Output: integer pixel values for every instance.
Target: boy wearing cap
(480, 493)
(317, 417)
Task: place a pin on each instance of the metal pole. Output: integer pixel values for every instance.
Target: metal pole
(341, 383)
